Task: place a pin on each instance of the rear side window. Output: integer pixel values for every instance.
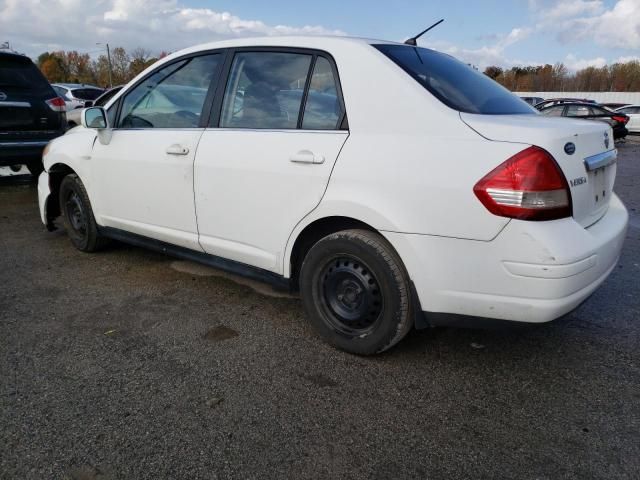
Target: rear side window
(322, 110)
(21, 74)
(454, 83)
(629, 110)
(265, 90)
(86, 93)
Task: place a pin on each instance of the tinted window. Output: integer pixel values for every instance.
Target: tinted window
(322, 110)
(105, 97)
(454, 83)
(60, 91)
(86, 93)
(578, 111)
(171, 97)
(600, 111)
(553, 111)
(264, 90)
(19, 73)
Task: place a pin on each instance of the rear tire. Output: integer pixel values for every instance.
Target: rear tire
(15, 168)
(78, 216)
(356, 292)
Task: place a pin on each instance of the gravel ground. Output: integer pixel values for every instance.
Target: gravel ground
(129, 365)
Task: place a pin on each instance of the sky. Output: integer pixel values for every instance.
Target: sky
(579, 33)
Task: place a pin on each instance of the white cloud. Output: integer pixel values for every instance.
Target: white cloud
(153, 24)
(487, 55)
(573, 63)
(565, 9)
(630, 58)
(618, 27)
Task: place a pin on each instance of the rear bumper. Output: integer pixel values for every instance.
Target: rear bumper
(15, 152)
(531, 272)
(620, 132)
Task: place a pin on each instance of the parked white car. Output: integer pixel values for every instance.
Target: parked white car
(633, 112)
(75, 95)
(391, 185)
(74, 116)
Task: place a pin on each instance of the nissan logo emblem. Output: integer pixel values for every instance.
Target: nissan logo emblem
(570, 148)
(3, 96)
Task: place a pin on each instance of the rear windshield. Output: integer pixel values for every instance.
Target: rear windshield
(454, 83)
(20, 73)
(86, 93)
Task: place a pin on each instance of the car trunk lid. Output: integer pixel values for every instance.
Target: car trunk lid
(583, 150)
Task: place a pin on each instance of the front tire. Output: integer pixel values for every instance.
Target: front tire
(356, 292)
(78, 216)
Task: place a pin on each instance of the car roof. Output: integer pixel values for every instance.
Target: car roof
(76, 85)
(574, 103)
(318, 42)
(15, 56)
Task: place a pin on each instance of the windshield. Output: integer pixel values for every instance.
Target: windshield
(454, 83)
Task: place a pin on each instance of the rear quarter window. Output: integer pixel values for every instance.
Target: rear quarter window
(453, 83)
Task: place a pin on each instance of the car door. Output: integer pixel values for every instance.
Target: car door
(266, 159)
(144, 175)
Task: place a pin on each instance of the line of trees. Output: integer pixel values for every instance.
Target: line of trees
(74, 67)
(619, 77)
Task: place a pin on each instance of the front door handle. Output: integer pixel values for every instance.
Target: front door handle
(306, 156)
(176, 149)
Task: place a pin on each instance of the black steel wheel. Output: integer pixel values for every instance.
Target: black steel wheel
(351, 295)
(355, 291)
(78, 216)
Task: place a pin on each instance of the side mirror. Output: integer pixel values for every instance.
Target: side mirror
(95, 117)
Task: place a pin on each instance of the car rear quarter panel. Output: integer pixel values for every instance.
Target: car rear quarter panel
(410, 163)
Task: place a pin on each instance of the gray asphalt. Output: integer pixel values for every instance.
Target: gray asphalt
(128, 365)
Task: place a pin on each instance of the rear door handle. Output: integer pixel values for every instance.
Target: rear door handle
(176, 149)
(306, 156)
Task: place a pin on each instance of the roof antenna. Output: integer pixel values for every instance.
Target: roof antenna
(414, 40)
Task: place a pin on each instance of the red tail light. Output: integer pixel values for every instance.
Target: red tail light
(528, 186)
(57, 104)
(621, 119)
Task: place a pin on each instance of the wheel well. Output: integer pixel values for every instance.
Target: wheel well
(314, 232)
(56, 173)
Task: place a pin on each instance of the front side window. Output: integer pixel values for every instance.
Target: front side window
(578, 111)
(453, 83)
(265, 90)
(172, 97)
(553, 111)
(322, 110)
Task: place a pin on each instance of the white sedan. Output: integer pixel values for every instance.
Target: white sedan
(391, 185)
(633, 112)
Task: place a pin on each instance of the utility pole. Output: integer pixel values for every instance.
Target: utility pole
(109, 62)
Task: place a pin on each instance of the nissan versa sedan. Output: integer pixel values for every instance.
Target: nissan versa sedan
(391, 185)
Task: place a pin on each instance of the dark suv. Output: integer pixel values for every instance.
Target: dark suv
(31, 113)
